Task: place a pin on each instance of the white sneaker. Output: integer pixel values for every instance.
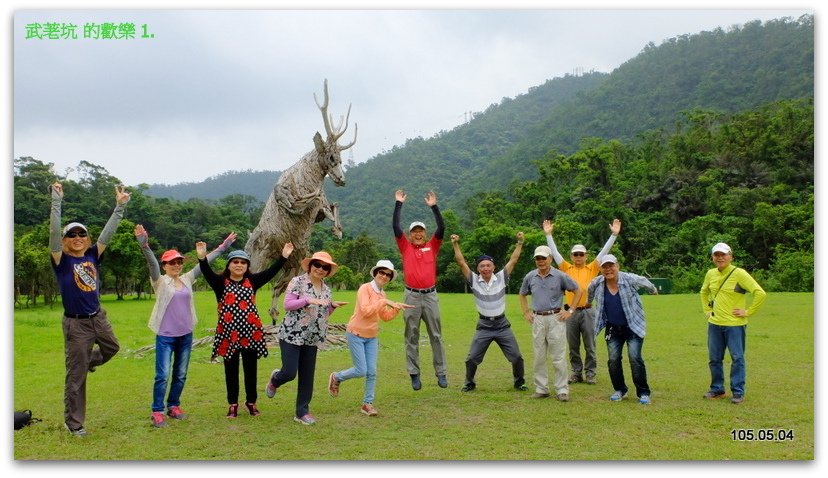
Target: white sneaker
(617, 396)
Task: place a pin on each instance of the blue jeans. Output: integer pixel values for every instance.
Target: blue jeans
(720, 337)
(616, 337)
(165, 348)
(364, 355)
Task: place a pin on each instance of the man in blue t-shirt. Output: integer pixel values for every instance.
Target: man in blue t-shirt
(76, 261)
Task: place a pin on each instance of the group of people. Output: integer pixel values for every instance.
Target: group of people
(569, 305)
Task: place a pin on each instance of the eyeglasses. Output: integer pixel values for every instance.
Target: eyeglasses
(238, 261)
(176, 262)
(579, 254)
(321, 265)
(386, 274)
(73, 234)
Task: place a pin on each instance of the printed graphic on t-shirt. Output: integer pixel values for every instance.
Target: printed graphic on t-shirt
(85, 276)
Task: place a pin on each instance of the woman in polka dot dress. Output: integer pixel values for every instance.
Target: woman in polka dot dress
(239, 331)
(307, 307)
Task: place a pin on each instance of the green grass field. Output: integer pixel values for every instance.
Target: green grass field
(493, 422)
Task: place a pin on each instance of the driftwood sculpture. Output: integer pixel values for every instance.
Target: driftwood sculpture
(297, 202)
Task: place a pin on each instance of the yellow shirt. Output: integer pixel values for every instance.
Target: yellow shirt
(729, 293)
(582, 276)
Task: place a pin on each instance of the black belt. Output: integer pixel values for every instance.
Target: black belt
(588, 306)
(82, 316)
(422, 291)
(547, 312)
(497, 317)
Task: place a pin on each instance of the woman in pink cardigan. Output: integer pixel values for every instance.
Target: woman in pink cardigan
(362, 330)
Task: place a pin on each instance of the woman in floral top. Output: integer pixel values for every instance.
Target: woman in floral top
(307, 304)
(239, 330)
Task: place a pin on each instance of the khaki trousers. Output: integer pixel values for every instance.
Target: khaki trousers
(549, 338)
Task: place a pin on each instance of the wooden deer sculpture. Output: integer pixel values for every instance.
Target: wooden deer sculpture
(297, 202)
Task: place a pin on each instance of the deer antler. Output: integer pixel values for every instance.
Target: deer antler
(324, 108)
(356, 128)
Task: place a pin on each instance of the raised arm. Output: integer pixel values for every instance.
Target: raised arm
(152, 263)
(399, 197)
(228, 241)
(458, 257)
(55, 236)
(431, 201)
(515, 254)
(261, 278)
(121, 198)
(548, 227)
(615, 229)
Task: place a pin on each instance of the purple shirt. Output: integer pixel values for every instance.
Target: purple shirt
(177, 320)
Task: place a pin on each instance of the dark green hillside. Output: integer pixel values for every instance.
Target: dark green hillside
(725, 71)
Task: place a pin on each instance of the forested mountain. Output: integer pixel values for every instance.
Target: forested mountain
(253, 183)
(723, 71)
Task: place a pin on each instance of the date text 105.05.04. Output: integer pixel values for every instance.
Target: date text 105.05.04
(762, 434)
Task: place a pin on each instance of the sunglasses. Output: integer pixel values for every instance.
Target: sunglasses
(238, 261)
(176, 262)
(321, 265)
(540, 258)
(73, 234)
(578, 254)
(386, 274)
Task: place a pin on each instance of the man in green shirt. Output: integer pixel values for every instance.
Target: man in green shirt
(723, 301)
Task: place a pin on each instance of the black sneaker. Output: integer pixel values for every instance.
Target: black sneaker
(468, 387)
(416, 384)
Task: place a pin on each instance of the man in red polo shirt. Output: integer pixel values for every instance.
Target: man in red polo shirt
(419, 263)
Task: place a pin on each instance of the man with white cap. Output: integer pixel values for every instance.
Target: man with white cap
(619, 310)
(489, 289)
(76, 262)
(582, 323)
(546, 285)
(723, 297)
(419, 263)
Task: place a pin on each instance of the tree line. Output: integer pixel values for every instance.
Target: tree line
(746, 179)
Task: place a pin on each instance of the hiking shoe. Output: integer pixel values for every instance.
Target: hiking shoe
(712, 395)
(233, 411)
(251, 407)
(176, 412)
(306, 419)
(737, 399)
(441, 381)
(157, 419)
(574, 378)
(333, 385)
(270, 389)
(644, 399)
(617, 396)
(416, 384)
(540, 395)
(590, 380)
(468, 387)
(522, 387)
(369, 410)
(563, 397)
(78, 432)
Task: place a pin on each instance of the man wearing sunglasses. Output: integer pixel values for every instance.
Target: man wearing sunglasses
(582, 323)
(76, 261)
(419, 261)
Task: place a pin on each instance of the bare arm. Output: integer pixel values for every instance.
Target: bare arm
(515, 254)
(458, 257)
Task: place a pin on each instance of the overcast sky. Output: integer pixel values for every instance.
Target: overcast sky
(219, 90)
